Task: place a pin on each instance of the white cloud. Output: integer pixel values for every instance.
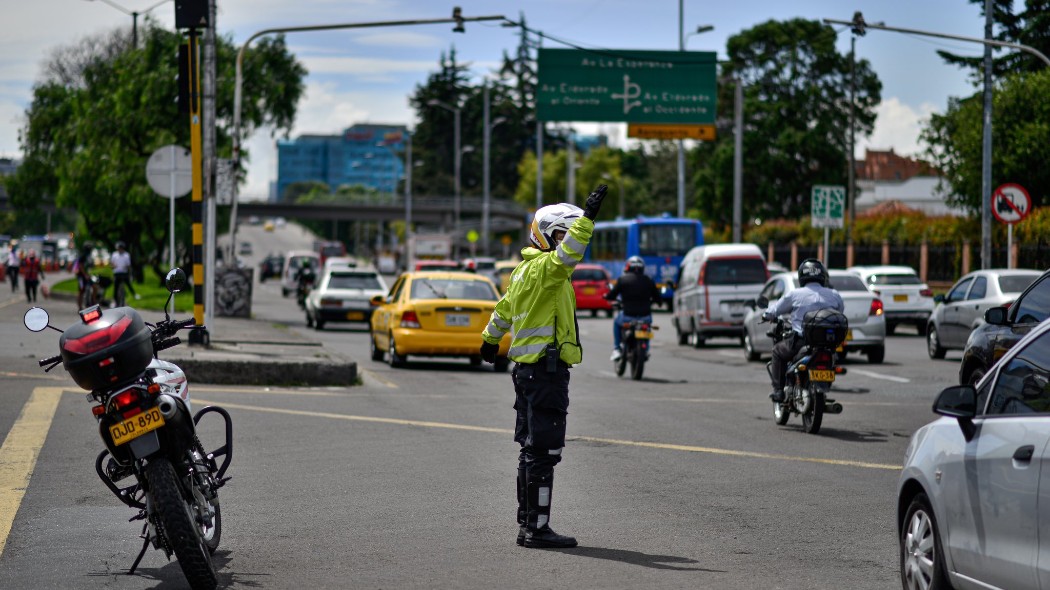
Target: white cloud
(11, 114)
(401, 39)
(897, 126)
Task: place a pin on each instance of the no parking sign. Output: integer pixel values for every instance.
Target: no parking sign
(1011, 203)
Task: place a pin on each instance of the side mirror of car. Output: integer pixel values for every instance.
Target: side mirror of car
(996, 316)
(761, 301)
(938, 298)
(377, 300)
(959, 402)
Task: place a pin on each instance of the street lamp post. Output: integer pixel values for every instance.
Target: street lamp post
(134, 17)
(682, 37)
(486, 169)
(457, 158)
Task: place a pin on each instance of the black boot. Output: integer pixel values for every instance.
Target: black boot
(538, 532)
(523, 511)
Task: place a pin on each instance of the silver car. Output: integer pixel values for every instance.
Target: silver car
(867, 325)
(971, 499)
(962, 309)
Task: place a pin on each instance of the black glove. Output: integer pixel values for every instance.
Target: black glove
(594, 202)
(488, 352)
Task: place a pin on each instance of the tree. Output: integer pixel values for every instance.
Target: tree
(103, 108)
(1030, 26)
(1019, 147)
(796, 120)
(433, 141)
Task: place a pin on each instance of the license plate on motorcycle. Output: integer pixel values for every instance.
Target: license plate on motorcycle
(644, 334)
(457, 319)
(821, 375)
(136, 426)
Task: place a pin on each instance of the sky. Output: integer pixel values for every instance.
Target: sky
(366, 75)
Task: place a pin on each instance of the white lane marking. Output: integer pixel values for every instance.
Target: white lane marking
(875, 375)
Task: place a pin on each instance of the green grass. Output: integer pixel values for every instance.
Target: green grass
(152, 292)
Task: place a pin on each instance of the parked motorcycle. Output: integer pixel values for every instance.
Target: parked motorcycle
(808, 378)
(143, 409)
(634, 346)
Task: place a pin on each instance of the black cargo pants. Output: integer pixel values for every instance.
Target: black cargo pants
(783, 353)
(541, 400)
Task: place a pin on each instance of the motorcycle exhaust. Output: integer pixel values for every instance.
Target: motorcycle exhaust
(167, 406)
(833, 408)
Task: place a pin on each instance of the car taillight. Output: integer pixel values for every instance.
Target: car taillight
(876, 307)
(331, 302)
(99, 339)
(409, 320)
(926, 293)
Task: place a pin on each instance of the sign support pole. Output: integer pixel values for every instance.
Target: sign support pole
(827, 246)
(1010, 246)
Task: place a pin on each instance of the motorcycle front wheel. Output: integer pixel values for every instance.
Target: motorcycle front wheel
(180, 529)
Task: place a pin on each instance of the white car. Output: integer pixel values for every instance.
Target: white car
(971, 498)
(293, 261)
(867, 325)
(906, 299)
(343, 295)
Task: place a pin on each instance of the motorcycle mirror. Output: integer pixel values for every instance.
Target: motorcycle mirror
(36, 319)
(175, 280)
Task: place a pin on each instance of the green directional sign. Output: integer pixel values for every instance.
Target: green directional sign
(626, 85)
(828, 206)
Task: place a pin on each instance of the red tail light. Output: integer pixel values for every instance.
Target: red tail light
(926, 293)
(99, 340)
(820, 359)
(125, 398)
(643, 327)
(409, 320)
(876, 307)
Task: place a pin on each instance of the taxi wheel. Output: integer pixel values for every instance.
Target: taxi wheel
(396, 359)
(876, 354)
(377, 355)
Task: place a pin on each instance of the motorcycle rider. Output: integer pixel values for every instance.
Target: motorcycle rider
(539, 309)
(304, 280)
(813, 295)
(637, 291)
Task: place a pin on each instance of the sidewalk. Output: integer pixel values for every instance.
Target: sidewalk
(242, 351)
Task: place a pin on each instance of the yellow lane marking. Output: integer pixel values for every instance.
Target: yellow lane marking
(34, 376)
(19, 452)
(610, 441)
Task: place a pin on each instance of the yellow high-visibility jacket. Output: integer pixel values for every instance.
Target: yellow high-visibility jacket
(540, 301)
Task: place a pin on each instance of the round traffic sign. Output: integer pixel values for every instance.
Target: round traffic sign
(1011, 203)
(169, 171)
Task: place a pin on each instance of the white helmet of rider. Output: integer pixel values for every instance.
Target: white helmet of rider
(550, 219)
(635, 264)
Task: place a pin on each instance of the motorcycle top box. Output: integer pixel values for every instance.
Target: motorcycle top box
(106, 348)
(824, 328)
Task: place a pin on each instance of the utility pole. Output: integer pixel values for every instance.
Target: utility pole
(986, 146)
(486, 197)
(681, 144)
(738, 159)
(208, 130)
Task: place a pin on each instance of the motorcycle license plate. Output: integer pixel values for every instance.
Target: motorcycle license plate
(355, 315)
(821, 375)
(643, 334)
(457, 319)
(136, 426)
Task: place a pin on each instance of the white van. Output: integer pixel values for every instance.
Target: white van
(293, 259)
(713, 284)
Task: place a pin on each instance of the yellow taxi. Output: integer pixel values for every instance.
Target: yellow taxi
(503, 270)
(435, 314)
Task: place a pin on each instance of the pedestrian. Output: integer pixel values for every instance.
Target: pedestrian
(539, 310)
(120, 261)
(82, 270)
(13, 262)
(31, 273)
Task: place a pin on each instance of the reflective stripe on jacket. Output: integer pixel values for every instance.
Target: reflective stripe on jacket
(540, 300)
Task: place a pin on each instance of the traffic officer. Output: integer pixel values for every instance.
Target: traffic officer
(813, 295)
(539, 310)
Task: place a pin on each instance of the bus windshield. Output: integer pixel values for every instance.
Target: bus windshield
(665, 239)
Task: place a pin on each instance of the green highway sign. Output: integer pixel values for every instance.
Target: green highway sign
(828, 206)
(626, 85)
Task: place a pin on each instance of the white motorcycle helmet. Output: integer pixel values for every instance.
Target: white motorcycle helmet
(550, 219)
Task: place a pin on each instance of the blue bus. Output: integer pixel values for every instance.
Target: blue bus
(661, 241)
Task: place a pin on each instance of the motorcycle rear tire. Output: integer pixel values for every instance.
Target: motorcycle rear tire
(637, 363)
(182, 532)
(812, 419)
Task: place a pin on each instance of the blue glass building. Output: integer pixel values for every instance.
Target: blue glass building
(366, 154)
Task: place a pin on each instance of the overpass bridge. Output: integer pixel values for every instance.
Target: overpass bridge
(505, 214)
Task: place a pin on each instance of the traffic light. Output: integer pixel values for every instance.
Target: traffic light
(191, 14)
